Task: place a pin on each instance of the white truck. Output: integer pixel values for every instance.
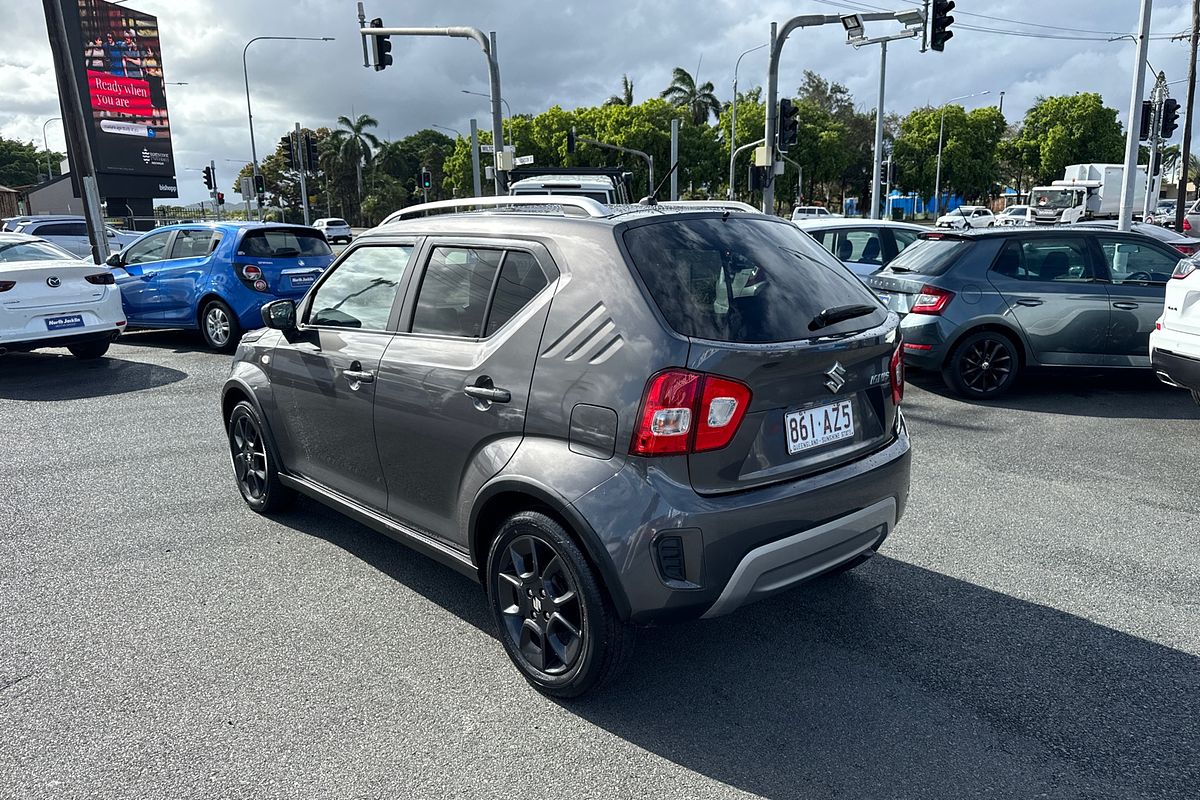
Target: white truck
(1086, 191)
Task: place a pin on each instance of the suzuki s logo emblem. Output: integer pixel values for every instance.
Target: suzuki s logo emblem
(53, 282)
(837, 378)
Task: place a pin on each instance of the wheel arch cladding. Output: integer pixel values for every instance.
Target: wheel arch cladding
(1013, 336)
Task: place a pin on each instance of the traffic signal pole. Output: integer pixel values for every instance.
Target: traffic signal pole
(1186, 151)
(1135, 103)
(878, 160)
(1158, 96)
(300, 156)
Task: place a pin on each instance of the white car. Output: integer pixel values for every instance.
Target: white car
(334, 229)
(1013, 215)
(70, 233)
(812, 212)
(1175, 340)
(967, 217)
(864, 245)
(48, 298)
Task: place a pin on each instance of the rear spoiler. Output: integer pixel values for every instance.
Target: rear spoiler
(961, 236)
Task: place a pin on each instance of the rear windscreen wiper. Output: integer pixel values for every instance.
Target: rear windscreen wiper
(829, 316)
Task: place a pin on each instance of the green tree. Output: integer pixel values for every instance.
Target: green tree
(699, 100)
(355, 144)
(22, 164)
(625, 98)
(1070, 129)
(970, 148)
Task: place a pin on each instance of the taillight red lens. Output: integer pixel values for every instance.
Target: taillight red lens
(6, 285)
(1184, 268)
(686, 412)
(896, 371)
(1186, 249)
(1187, 226)
(101, 279)
(931, 300)
(251, 272)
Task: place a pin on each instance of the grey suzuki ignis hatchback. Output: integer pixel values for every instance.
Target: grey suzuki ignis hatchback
(609, 416)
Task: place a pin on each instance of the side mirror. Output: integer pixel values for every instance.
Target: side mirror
(280, 315)
(112, 234)
(115, 260)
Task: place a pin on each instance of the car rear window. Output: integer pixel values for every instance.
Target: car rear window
(283, 243)
(743, 280)
(929, 256)
(338, 222)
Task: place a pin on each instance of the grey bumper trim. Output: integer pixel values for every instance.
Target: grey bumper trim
(777, 565)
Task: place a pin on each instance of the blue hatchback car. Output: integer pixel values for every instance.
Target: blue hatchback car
(216, 276)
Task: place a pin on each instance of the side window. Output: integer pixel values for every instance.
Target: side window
(454, 291)
(1135, 262)
(192, 243)
(62, 229)
(152, 248)
(520, 279)
(360, 291)
(824, 238)
(1044, 261)
(862, 246)
(903, 238)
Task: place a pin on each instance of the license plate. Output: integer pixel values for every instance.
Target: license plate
(302, 280)
(813, 427)
(61, 323)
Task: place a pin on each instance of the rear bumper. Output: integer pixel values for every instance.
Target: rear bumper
(1175, 369)
(63, 340)
(739, 547)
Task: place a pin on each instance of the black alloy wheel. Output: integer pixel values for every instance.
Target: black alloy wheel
(983, 366)
(556, 623)
(253, 466)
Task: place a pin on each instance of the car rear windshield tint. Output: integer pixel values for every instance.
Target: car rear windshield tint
(929, 256)
(744, 280)
(283, 243)
(337, 222)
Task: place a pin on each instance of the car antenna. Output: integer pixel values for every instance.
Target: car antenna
(651, 199)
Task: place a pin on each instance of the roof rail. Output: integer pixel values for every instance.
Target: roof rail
(587, 206)
(728, 205)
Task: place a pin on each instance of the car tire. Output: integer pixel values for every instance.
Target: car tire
(1196, 396)
(254, 465)
(556, 622)
(90, 350)
(982, 366)
(219, 326)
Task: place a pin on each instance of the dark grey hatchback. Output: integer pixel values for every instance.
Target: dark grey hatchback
(982, 306)
(610, 416)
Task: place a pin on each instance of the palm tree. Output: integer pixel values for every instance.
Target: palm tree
(684, 93)
(625, 98)
(354, 144)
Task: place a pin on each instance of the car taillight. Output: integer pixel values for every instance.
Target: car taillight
(6, 285)
(101, 279)
(1187, 226)
(1186, 249)
(688, 412)
(1184, 268)
(251, 272)
(931, 300)
(896, 371)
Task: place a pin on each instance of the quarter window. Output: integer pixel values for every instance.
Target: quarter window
(903, 238)
(520, 280)
(360, 291)
(1136, 262)
(1044, 261)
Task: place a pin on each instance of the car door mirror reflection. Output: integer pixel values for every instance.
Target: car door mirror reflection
(280, 315)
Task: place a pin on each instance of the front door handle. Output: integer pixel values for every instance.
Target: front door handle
(1029, 301)
(1125, 306)
(357, 375)
(489, 393)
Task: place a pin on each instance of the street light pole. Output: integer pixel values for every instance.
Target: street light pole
(246, 78)
(1135, 104)
(878, 160)
(733, 114)
(508, 137)
(937, 181)
(46, 145)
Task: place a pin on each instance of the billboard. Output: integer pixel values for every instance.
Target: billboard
(119, 65)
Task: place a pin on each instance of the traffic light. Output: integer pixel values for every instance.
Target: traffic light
(1145, 121)
(426, 179)
(757, 179)
(285, 144)
(939, 24)
(381, 47)
(310, 153)
(789, 125)
(571, 141)
(220, 198)
(209, 180)
(1170, 117)
(260, 185)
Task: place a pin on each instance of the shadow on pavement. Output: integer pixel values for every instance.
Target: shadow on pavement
(1115, 394)
(893, 682)
(176, 340)
(54, 376)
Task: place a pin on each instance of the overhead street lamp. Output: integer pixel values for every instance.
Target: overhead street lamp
(733, 115)
(937, 181)
(246, 78)
(506, 105)
(46, 145)
(455, 131)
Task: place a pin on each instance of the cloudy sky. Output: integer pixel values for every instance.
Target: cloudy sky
(569, 52)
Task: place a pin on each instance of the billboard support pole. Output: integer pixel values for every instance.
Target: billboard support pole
(74, 124)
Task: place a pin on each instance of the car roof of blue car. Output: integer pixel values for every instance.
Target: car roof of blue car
(231, 225)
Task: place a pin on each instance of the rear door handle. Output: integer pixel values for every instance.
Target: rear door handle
(1125, 306)
(488, 393)
(1029, 301)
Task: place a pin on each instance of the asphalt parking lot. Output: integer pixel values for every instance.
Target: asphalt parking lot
(1032, 629)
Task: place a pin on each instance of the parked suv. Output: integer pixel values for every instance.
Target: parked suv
(71, 234)
(1175, 340)
(609, 417)
(983, 306)
(335, 229)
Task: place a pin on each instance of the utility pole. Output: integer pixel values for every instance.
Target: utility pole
(475, 158)
(1135, 103)
(300, 159)
(877, 166)
(674, 158)
(1186, 150)
(75, 123)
